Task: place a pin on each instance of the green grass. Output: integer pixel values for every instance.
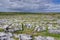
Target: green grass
(1, 30)
(16, 38)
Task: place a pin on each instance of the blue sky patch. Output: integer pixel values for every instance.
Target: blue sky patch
(56, 1)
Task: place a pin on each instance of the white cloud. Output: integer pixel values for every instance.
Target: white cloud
(29, 4)
(37, 5)
(53, 7)
(5, 3)
(0, 4)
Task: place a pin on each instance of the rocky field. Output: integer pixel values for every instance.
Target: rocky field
(39, 26)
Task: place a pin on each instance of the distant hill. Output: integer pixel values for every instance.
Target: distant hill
(14, 13)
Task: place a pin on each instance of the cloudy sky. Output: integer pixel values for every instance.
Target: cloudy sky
(29, 5)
